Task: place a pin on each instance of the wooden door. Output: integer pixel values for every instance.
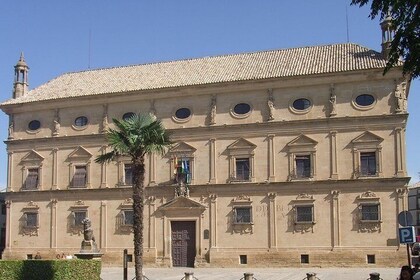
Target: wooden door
(183, 243)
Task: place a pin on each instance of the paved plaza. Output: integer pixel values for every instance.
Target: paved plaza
(116, 273)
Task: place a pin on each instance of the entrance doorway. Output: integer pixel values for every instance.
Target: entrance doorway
(183, 243)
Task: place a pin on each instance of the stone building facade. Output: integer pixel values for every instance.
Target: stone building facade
(284, 158)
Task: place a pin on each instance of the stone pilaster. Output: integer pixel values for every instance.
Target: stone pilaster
(335, 212)
(54, 230)
(270, 142)
(152, 169)
(333, 153)
(54, 169)
(400, 152)
(103, 226)
(272, 225)
(104, 183)
(152, 222)
(8, 224)
(212, 161)
(9, 170)
(213, 220)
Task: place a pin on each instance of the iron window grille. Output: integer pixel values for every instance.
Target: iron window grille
(242, 215)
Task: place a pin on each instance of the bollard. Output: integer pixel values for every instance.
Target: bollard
(189, 276)
(311, 276)
(374, 276)
(248, 276)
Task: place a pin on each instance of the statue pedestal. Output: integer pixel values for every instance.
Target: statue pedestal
(89, 250)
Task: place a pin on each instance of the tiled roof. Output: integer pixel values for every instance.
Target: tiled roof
(208, 70)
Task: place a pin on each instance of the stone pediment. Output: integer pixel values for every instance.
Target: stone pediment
(302, 140)
(241, 144)
(182, 148)
(79, 153)
(182, 203)
(32, 157)
(367, 138)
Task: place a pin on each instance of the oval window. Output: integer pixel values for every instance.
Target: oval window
(242, 108)
(365, 100)
(301, 104)
(34, 125)
(128, 115)
(183, 113)
(81, 121)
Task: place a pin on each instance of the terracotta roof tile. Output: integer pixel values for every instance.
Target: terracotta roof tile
(208, 70)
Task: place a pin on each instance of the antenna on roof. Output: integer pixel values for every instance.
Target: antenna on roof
(347, 24)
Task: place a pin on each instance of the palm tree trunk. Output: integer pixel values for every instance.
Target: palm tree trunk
(138, 205)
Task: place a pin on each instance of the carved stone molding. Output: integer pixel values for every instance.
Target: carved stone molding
(335, 193)
(303, 227)
(243, 228)
(272, 195)
(367, 195)
(127, 202)
(374, 226)
(213, 197)
(401, 191)
(304, 196)
(242, 198)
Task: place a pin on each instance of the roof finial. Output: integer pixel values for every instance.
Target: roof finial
(388, 31)
(21, 77)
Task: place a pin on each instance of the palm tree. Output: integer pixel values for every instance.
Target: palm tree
(135, 137)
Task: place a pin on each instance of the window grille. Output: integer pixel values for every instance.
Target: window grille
(31, 181)
(79, 178)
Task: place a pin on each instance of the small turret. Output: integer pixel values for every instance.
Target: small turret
(388, 32)
(20, 86)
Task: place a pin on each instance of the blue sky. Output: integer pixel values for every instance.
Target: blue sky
(60, 36)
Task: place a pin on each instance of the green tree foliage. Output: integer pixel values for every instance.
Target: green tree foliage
(136, 137)
(406, 21)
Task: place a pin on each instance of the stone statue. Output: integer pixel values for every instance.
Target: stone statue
(105, 119)
(10, 128)
(57, 125)
(213, 110)
(270, 104)
(89, 249)
(152, 109)
(333, 102)
(400, 97)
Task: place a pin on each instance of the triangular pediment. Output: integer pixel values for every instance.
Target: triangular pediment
(32, 156)
(182, 148)
(241, 144)
(366, 138)
(302, 140)
(79, 153)
(182, 203)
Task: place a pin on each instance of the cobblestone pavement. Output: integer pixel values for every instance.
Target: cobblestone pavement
(116, 273)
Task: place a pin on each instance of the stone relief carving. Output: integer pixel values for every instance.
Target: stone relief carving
(242, 198)
(370, 227)
(304, 196)
(367, 194)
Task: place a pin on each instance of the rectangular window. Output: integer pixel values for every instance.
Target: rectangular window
(304, 258)
(242, 169)
(79, 177)
(183, 171)
(128, 174)
(368, 164)
(303, 166)
(242, 215)
(304, 213)
(369, 212)
(31, 181)
(128, 218)
(79, 216)
(31, 219)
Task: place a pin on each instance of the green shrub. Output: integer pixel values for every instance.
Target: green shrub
(50, 269)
